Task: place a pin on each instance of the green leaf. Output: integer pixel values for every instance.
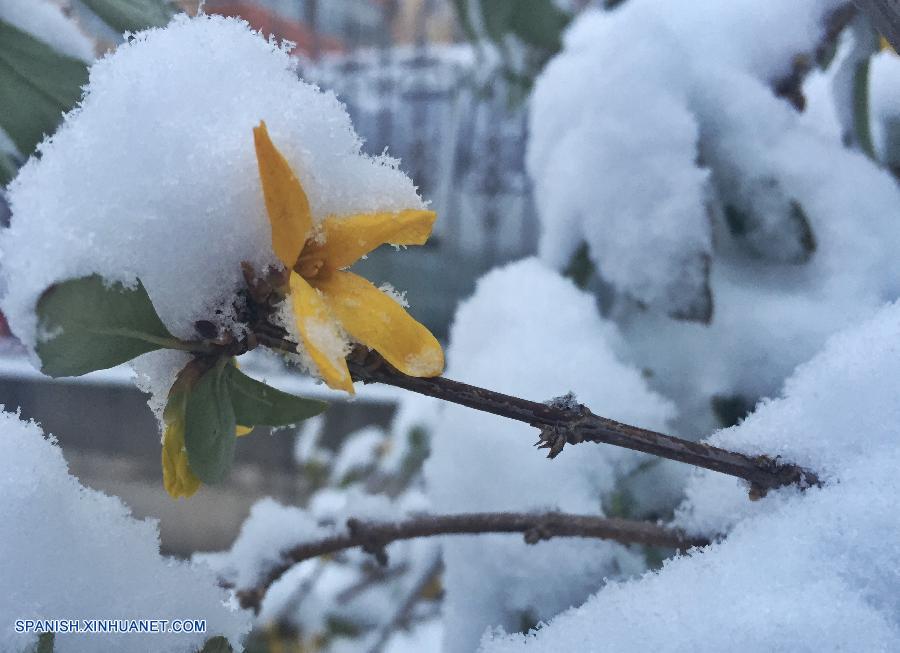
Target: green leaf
(86, 324)
(258, 404)
(37, 85)
(217, 645)
(209, 426)
(580, 268)
(539, 23)
(497, 16)
(8, 169)
(45, 643)
(131, 15)
(861, 114)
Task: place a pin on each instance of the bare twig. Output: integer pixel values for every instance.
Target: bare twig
(404, 613)
(566, 422)
(790, 86)
(373, 537)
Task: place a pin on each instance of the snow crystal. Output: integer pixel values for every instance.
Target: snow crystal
(69, 552)
(531, 333)
(154, 176)
(46, 22)
(799, 571)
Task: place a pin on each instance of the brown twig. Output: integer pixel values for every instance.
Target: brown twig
(564, 421)
(373, 537)
(790, 86)
(404, 613)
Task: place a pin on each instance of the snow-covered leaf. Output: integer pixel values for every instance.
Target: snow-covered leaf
(86, 325)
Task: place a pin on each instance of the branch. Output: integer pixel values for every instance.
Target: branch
(404, 613)
(562, 422)
(373, 537)
(790, 86)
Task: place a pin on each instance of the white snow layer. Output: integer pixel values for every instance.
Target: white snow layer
(637, 144)
(529, 332)
(46, 22)
(70, 552)
(154, 176)
(799, 571)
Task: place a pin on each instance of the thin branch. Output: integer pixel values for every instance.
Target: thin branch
(404, 613)
(790, 86)
(563, 422)
(373, 537)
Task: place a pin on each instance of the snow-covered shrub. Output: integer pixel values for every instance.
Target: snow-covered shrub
(68, 552)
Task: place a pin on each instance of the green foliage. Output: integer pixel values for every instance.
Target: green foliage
(862, 128)
(209, 426)
(86, 325)
(217, 645)
(580, 268)
(131, 15)
(8, 169)
(46, 643)
(257, 404)
(37, 85)
(537, 24)
(731, 409)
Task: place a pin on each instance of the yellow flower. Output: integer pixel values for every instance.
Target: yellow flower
(326, 298)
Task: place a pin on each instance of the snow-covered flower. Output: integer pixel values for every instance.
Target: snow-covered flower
(327, 299)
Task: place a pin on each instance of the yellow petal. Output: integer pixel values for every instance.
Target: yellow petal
(241, 431)
(286, 202)
(379, 322)
(346, 239)
(178, 479)
(320, 335)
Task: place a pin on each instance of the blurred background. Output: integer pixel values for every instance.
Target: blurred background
(414, 86)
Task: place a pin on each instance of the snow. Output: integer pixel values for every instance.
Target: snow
(46, 22)
(530, 333)
(70, 552)
(799, 571)
(813, 256)
(154, 176)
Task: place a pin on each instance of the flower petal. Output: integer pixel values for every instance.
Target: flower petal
(286, 201)
(178, 479)
(321, 338)
(349, 238)
(379, 322)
